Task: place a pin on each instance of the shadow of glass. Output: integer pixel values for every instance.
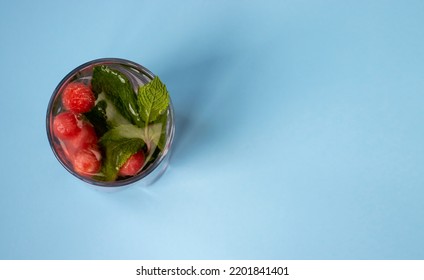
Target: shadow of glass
(194, 92)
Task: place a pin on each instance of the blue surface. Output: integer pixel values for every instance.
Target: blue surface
(299, 130)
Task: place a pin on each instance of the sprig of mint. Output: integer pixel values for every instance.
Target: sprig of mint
(131, 121)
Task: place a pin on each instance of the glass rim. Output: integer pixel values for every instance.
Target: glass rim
(118, 183)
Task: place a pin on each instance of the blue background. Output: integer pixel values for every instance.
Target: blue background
(299, 130)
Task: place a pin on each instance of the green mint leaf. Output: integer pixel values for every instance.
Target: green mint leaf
(119, 144)
(153, 100)
(118, 90)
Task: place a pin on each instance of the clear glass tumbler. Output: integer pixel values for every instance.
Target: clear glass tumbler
(156, 155)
